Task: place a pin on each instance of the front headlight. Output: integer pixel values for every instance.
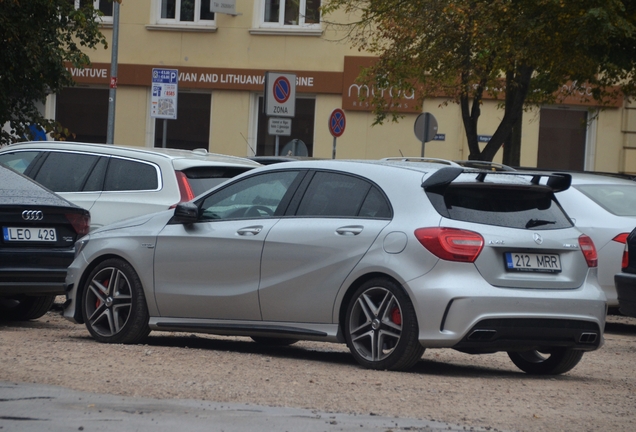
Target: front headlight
(80, 245)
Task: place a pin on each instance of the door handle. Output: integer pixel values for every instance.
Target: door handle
(250, 231)
(350, 230)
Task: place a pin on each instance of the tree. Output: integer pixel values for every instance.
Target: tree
(38, 38)
(522, 52)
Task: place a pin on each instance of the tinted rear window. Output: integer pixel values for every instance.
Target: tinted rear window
(65, 172)
(525, 208)
(202, 179)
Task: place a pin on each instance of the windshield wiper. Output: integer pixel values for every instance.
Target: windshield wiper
(538, 222)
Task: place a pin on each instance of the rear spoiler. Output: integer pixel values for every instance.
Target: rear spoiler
(443, 177)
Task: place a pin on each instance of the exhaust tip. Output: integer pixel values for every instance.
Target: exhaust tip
(482, 335)
(588, 338)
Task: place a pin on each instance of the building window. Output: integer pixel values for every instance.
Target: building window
(301, 140)
(290, 13)
(191, 129)
(104, 6)
(84, 112)
(185, 12)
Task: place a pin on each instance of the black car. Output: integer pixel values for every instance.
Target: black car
(39, 230)
(626, 280)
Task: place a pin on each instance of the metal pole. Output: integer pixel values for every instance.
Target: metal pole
(164, 138)
(110, 133)
(333, 154)
(426, 127)
(276, 150)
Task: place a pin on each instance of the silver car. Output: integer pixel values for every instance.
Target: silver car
(604, 208)
(389, 257)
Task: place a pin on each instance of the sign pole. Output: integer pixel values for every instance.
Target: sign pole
(112, 92)
(277, 143)
(333, 155)
(164, 137)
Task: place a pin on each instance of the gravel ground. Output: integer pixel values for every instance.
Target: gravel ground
(485, 391)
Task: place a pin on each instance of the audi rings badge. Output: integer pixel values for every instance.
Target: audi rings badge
(32, 215)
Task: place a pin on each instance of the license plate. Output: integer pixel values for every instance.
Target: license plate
(13, 234)
(516, 261)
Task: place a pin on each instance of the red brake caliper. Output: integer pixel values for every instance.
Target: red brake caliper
(98, 301)
(396, 316)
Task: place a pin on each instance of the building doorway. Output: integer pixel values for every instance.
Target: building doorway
(301, 140)
(562, 139)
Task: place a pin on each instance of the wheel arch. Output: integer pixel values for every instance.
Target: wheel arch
(344, 304)
(79, 292)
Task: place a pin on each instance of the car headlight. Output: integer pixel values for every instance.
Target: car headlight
(80, 245)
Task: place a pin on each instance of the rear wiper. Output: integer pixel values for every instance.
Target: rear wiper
(538, 222)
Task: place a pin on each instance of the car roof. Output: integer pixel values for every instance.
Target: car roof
(179, 157)
(17, 189)
(582, 178)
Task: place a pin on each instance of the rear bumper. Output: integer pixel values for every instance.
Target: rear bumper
(465, 312)
(33, 271)
(626, 290)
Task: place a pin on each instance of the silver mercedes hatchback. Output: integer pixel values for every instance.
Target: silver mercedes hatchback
(389, 257)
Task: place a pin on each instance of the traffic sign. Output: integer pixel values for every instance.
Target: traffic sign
(280, 94)
(279, 126)
(337, 123)
(164, 93)
(425, 128)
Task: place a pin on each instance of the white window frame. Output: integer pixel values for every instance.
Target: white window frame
(176, 21)
(106, 19)
(299, 28)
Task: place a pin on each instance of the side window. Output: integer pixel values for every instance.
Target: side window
(95, 180)
(104, 6)
(188, 12)
(128, 175)
(18, 161)
(375, 206)
(291, 13)
(65, 172)
(253, 197)
(335, 195)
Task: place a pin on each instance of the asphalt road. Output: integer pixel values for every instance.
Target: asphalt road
(37, 408)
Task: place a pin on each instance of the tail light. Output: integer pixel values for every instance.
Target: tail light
(184, 188)
(625, 262)
(589, 250)
(81, 223)
(451, 244)
(621, 238)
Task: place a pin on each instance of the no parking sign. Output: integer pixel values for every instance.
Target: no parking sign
(280, 94)
(337, 124)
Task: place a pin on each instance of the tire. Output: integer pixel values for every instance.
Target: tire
(381, 327)
(114, 305)
(555, 362)
(273, 341)
(24, 308)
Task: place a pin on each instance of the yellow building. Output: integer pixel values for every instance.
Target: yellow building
(222, 59)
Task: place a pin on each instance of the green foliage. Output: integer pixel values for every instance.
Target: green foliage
(521, 51)
(38, 37)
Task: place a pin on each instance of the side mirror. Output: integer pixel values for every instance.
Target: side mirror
(185, 213)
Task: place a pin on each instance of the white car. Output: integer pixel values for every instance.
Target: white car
(604, 208)
(117, 182)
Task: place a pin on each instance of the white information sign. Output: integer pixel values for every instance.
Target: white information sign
(280, 94)
(223, 6)
(279, 126)
(164, 93)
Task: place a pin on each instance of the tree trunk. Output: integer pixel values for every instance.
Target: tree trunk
(512, 146)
